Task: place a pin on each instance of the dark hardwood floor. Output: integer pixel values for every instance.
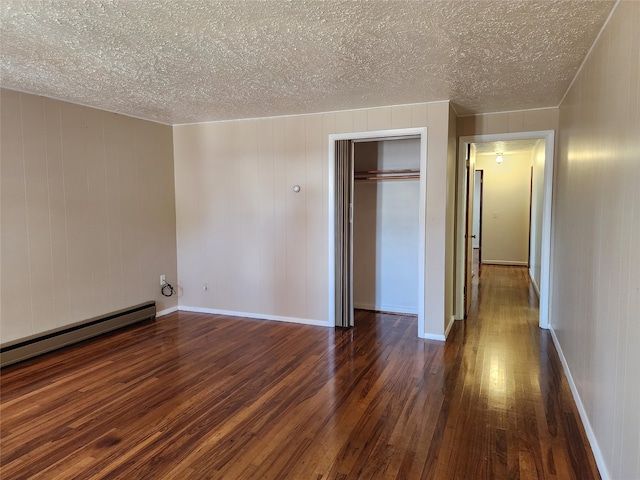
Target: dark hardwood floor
(192, 396)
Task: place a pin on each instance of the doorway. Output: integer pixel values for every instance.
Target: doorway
(340, 274)
(542, 232)
(506, 232)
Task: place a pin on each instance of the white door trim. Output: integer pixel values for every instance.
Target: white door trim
(547, 209)
(368, 137)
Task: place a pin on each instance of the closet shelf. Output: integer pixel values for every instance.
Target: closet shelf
(378, 175)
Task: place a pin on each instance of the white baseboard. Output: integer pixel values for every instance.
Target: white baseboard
(534, 283)
(504, 262)
(304, 321)
(166, 311)
(449, 325)
(258, 316)
(431, 336)
(386, 308)
(597, 453)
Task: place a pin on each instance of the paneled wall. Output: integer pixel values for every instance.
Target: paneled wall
(450, 221)
(596, 260)
(88, 213)
(247, 243)
(508, 122)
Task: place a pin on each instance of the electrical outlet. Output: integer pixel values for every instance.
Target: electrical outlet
(163, 281)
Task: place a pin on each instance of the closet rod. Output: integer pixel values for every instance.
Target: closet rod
(378, 175)
(388, 172)
(384, 179)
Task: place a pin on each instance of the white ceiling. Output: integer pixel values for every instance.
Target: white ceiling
(182, 61)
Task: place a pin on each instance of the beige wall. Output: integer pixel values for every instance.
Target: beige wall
(263, 249)
(596, 259)
(508, 122)
(505, 208)
(450, 267)
(88, 215)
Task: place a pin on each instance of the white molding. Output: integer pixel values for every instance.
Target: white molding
(546, 256)
(328, 112)
(256, 316)
(420, 132)
(597, 453)
(467, 115)
(386, 308)
(92, 107)
(448, 329)
(460, 228)
(534, 283)
(588, 55)
(430, 336)
(546, 250)
(166, 311)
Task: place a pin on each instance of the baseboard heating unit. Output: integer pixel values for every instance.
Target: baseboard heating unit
(24, 348)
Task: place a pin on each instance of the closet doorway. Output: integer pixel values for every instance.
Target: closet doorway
(377, 192)
(386, 197)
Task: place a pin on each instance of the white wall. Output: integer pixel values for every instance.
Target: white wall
(537, 198)
(88, 213)
(505, 208)
(596, 259)
(385, 229)
(261, 247)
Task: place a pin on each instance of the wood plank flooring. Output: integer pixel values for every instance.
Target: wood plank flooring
(193, 396)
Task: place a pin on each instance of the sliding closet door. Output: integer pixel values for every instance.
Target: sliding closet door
(344, 233)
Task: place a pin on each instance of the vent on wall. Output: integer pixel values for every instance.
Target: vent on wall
(24, 348)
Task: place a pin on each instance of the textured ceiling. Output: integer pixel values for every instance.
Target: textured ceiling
(507, 146)
(181, 61)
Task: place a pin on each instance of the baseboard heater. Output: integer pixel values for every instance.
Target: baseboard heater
(24, 348)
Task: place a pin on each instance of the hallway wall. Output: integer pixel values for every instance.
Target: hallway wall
(596, 260)
(508, 122)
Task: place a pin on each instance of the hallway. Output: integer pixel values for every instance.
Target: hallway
(207, 396)
(510, 407)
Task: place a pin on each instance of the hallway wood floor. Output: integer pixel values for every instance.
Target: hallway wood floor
(193, 396)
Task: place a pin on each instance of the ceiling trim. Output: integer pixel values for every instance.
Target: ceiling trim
(586, 57)
(313, 113)
(507, 111)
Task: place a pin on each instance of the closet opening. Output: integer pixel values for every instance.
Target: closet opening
(377, 192)
(386, 197)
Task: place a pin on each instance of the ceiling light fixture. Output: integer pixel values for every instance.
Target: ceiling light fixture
(499, 158)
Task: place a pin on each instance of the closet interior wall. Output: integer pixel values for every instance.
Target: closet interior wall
(385, 227)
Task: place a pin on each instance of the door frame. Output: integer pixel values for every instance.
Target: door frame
(378, 135)
(469, 195)
(480, 207)
(547, 243)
